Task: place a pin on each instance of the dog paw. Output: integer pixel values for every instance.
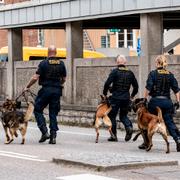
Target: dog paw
(23, 141)
(149, 148)
(8, 142)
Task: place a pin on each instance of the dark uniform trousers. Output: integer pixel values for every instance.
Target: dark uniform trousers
(166, 106)
(121, 105)
(51, 96)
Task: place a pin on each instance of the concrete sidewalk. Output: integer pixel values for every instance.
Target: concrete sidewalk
(112, 155)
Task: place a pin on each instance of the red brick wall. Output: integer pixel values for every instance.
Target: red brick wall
(14, 1)
(3, 38)
(30, 36)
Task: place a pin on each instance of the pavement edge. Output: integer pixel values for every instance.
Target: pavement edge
(134, 165)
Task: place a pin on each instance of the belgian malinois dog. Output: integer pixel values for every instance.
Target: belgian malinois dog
(149, 123)
(102, 113)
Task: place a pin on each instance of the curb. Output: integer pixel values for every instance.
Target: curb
(134, 165)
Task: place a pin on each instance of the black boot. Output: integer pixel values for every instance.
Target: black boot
(44, 137)
(178, 145)
(52, 141)
(142, 146)
(52, 138)
(129, 132)
(113, 139)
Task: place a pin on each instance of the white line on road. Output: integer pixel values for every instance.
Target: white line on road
(88, 134)
(21, 156)
(74, 133)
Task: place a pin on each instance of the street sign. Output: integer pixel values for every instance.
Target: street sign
(114, 30)
(138, 46)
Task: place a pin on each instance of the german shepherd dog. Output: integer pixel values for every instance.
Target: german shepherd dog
(149, 124)
(13, 119)
(102, 113)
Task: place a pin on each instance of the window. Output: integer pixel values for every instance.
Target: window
(125, 38)
(105, 41)
(121, 39)
(129, 38)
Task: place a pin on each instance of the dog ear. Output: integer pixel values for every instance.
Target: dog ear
(102, 97)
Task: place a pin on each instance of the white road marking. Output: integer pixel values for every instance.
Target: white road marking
(68, 132)
(21, 156)
(85, 176)
(88, 134)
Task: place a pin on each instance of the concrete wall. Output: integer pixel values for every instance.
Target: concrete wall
(89, 76)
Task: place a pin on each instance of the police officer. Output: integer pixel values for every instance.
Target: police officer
(158, 86)
(51, 74)
(120, 81)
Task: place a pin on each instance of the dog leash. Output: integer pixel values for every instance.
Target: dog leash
(23, 94)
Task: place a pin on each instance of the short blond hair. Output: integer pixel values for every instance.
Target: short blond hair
(161, 61)
(121, 60)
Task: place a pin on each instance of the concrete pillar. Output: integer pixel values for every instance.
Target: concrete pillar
(74, 46)
(151, 44)
(14, 53)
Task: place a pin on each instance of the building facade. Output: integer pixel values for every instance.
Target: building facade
(93, 39)
(124, 41)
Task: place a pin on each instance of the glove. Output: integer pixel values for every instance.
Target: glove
(176, 105)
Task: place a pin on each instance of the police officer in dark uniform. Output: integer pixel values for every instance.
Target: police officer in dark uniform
(120, 81)
(158, 86)
(51, 74)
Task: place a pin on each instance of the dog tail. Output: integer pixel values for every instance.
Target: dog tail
(29, 112)
(136, 136)
(160, 118)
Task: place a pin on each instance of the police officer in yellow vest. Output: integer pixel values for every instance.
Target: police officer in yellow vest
(158, 86)
(121, 79)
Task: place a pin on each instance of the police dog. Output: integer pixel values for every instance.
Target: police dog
(102, 113)
(13, 119)
(149, 123)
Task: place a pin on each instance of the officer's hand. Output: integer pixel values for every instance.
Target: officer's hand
(176, 105)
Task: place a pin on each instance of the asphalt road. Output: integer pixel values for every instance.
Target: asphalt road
(33, 161)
